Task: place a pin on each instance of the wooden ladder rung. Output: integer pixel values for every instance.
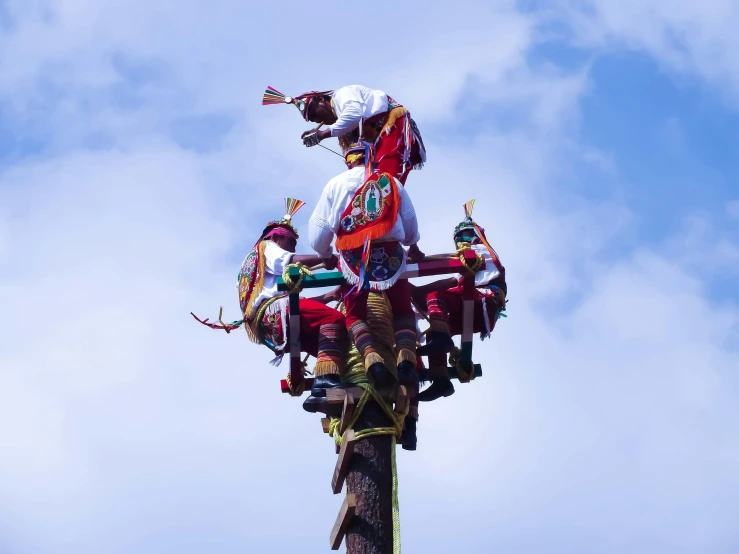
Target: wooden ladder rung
(347, 511)
(342, 464)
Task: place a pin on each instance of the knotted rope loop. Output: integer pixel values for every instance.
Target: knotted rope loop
(463, 247)
(465, 375)
(295, 286)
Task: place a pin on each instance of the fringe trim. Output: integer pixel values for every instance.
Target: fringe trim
(372, 358)
(378, 230)
(325, 368)
(406, 355)
(375, 286)
(259, 284)
(268, 307)
(392, 118)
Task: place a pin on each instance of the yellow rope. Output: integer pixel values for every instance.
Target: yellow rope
(378, 309)
(300, 389)
(455, 359)
(462, 247)
(294, 286)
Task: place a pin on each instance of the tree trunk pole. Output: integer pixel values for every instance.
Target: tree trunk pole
(371, 480)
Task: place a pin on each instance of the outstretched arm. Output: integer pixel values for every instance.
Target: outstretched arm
(333, 296)
(313, 260)
(442, 284)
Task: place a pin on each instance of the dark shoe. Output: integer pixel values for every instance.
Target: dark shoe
(437, 342)
(408, 439)
(380, 375)
(439, 388)
(313, 403)
(407, 374)
(320, 384)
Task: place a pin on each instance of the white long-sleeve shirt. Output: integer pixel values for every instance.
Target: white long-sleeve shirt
(483, 278)
(354, 103)
(336, 197)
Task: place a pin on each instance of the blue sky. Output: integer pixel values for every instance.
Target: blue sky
(137, 165)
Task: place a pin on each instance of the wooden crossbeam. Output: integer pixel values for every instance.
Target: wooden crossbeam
(347, 511)
(296, 366)
(423, 376)
(325, 422)
(336, 278)
(342, 463)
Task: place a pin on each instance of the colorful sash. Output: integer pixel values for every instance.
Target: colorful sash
(371, 214)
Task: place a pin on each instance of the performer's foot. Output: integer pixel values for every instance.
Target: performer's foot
(438, 341)
(439, 388)
(408, 439)
(380, 375)
(320, 384)
(314, 404)
(407, 374)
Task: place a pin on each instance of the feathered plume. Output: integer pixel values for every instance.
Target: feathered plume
(274, 96)
(468, 208)
(292, 205)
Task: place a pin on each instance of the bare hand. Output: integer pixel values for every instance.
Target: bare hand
(331, 262)
(314, 136)
(415, 255)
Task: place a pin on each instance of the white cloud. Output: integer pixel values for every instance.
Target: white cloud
(693, 38)
(606, 412)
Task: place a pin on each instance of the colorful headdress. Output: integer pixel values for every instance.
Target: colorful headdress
(355, 151)
(468, 223)
(292, 205)
(302, 102)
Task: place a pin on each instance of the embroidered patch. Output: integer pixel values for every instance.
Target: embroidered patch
(273, 328)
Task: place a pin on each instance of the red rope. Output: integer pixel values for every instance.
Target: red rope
(228, 327)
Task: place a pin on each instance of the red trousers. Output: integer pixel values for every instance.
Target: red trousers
(321, 328)
(447, 305)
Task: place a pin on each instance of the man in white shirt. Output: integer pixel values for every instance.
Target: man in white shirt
(265, 309)
(372, 219)
(444, 301)
(353, 113)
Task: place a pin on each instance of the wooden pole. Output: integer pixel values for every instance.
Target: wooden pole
(370, 480)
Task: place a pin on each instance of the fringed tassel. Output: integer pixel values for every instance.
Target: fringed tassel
(350, 242)
(372, 357)
(325, 367)
(406, 355)
(392, 118)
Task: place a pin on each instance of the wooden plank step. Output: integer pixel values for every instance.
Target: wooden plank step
(342, 463)
(347, 511)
